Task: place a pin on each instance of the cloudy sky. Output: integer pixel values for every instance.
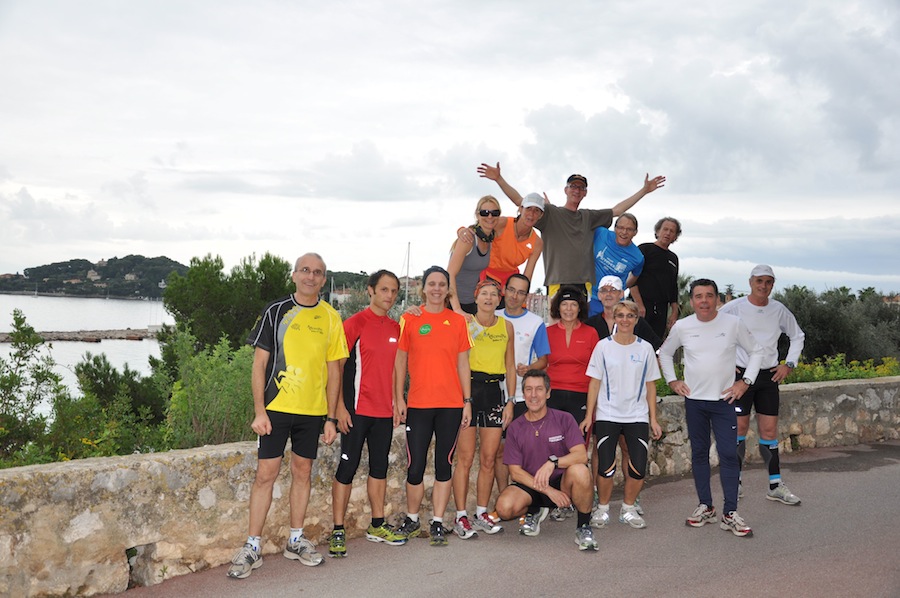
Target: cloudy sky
(354, 127)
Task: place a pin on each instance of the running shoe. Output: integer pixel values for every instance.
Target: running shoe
(584, 537)
(437, 534)
(409, 529)
(561, 514)
(733, 523)
(463, 528)
(484, 523)
(783, 495)
(631, 516)
(701, 516)
(532, 524)
(599, 517)
(638, 507)
(304, 551)
(385, 533)
(337, 544)
(244, 562)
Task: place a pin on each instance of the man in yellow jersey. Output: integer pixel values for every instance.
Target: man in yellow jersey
(299, 343)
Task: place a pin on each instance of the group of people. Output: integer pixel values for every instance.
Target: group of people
(479, 368)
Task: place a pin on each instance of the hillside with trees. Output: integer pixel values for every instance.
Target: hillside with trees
(133, 276)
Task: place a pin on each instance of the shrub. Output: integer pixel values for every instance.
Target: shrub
(212, 402)
(27, 379)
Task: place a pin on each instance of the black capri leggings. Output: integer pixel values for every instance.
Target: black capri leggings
(421, 425)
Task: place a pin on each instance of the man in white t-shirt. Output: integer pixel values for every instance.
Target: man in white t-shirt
(766, 319)
(710, 340)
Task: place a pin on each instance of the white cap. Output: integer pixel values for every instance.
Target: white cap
(762, 270)
(533, 200)
(610, 281)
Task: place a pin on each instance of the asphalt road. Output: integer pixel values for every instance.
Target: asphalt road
(841, 541)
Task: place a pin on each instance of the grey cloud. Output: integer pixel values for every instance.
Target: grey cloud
(867, 246)
(361, 175)
(135, 189)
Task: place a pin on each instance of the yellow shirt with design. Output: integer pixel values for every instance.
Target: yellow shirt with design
(301, 341)
(488, 353)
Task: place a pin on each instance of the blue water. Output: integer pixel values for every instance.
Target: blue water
(46, 314)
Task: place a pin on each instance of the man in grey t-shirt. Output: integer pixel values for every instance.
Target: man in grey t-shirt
(567, 230)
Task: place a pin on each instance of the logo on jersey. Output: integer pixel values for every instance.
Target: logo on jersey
(425, 329)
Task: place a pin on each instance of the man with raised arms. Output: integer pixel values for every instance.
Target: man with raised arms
(299, 345)
(547, 462)
(366, 415)
(766, 319)
(710, 340)
(567, 231)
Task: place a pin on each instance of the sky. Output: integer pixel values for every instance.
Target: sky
(354, 128)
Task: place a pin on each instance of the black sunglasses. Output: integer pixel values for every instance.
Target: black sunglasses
(486, 213)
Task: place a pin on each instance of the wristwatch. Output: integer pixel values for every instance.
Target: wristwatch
(553, 459)
(467, 400)
(791, 364)
(332, 420)
(747, 381)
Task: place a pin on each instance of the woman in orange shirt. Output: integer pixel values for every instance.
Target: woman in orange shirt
(434, 349)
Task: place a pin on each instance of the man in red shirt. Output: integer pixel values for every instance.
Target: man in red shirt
(367, 413)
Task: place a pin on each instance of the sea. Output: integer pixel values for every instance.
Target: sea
(46, 314)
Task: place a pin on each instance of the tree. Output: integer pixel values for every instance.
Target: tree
(27, 380)
(211, 304)
(835, 321)
(142, 394)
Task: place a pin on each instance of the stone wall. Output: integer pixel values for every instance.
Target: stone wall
(65, 528)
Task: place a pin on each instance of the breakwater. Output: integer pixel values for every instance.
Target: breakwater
(90, 336)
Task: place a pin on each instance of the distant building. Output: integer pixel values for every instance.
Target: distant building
(92, 275)
(131, 276)
(73, 281)
(101, 264)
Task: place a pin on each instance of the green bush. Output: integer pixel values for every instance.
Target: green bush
(27, 379)
(212, 402)
(837, 368)
(88, 427)
(145, 394)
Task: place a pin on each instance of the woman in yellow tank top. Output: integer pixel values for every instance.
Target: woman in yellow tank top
(492, 361)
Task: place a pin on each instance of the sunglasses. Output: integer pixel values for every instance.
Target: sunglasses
(486, 213)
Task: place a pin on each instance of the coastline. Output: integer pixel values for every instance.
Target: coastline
(92, 336)
(68, 296)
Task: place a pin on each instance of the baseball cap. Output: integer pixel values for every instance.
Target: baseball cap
(577, 177)
(533, 200)
(762, 270)
(610, 281)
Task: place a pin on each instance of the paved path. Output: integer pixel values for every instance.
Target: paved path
(840, 542)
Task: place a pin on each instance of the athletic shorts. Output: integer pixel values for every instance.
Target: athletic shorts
(569, 401)
(469, 308)
(762, 396)
(376, 432)
(539, 498)
(637, 436)
(303, 430)
(518, 409)
(487, 400)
